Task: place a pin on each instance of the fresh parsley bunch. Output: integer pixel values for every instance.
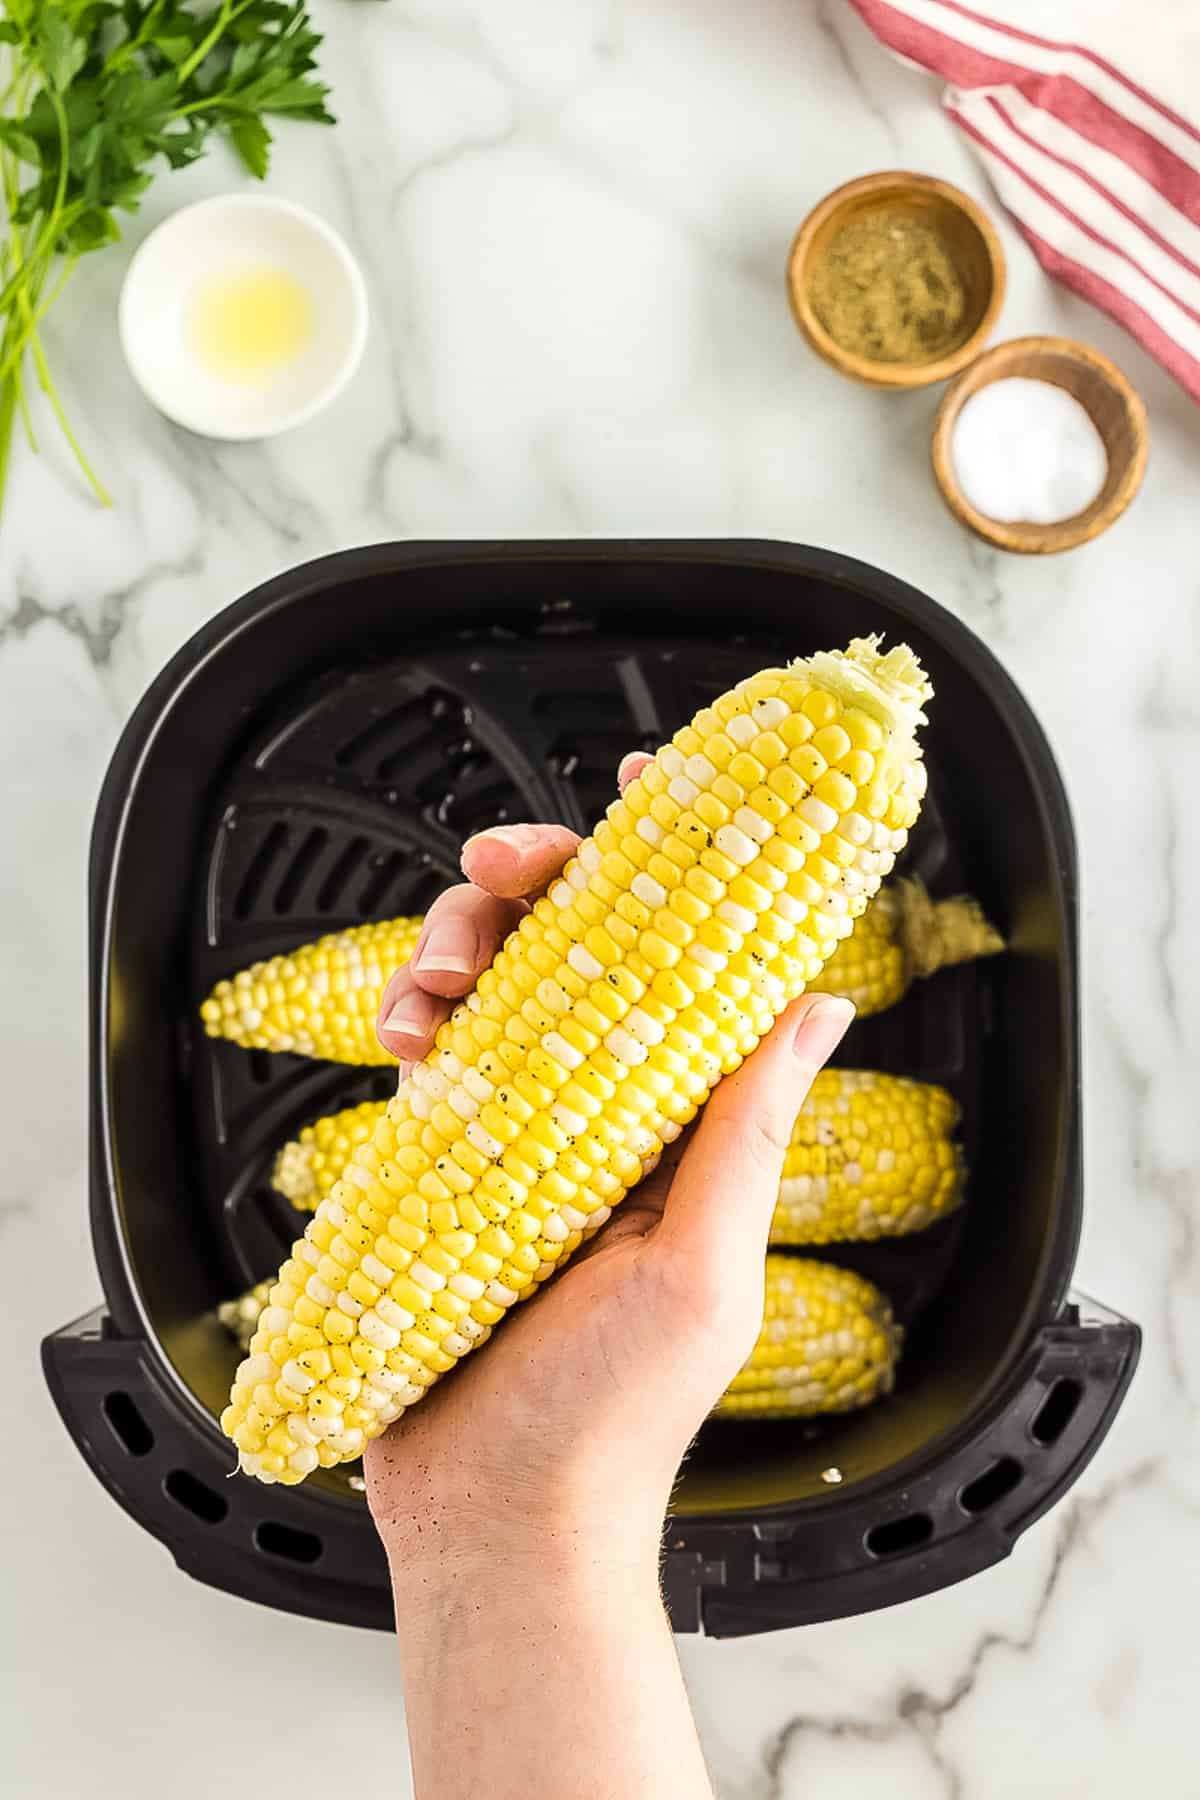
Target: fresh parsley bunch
(92, 94)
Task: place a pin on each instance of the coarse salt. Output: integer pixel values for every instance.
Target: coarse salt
(1027, 452)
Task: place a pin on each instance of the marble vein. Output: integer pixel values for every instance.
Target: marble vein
(915, 1709)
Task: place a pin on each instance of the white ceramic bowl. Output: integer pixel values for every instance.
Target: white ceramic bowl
(225, 234)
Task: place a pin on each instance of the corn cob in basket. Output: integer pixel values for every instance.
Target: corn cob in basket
(240, 1317)
(828, 1342)
(871, 1156)
(905, 937)
(321, 999)
(715, 889)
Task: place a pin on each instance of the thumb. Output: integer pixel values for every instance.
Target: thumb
(719, 1209)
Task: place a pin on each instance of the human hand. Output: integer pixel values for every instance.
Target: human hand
(570, 1427)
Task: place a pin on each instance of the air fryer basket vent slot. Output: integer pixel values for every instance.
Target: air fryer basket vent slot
(1056, 1411)
(288, 1543)
(987, 1489)
(195, 1496)
(130, 1428)
(896, 1536)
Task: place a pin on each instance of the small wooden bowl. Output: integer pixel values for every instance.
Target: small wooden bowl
(1115, 408)
(968, 236)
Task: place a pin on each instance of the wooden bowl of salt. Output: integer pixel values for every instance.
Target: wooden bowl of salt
(1040, 445)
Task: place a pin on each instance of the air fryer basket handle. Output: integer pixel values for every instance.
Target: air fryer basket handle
(962, 1515)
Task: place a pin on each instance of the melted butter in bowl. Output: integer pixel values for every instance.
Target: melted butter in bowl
(245, 324)
(242, 316)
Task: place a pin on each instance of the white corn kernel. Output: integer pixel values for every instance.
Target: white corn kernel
(373, 1330)
(650, 892)
(467, 1287)
(376, 1271)
(818, 814)
(483, 1141)
(478, 1086)
(740, 917)
(393, 1314)
(558, 1047)
(625, 1047)
(645, 1029)
(735, 845)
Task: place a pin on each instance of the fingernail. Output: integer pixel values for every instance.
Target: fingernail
(450, 948)
(823, 1026)
(626, 769)
(404, 1071)
(519, 836)
(410, 1016)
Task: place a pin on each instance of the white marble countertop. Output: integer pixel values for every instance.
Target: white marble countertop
(574, 216)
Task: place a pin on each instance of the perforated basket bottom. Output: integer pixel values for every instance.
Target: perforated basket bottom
(352, 804)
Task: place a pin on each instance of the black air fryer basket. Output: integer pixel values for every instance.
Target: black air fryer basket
(315, 757)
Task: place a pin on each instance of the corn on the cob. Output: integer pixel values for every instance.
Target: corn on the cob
(871, 1156)
(903, 937)
(319, 1000)
(308, 1166)
(828, 1344)
(712, 892)
(240, 1317)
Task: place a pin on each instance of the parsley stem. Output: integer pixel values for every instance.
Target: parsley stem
(8, 405)
(46, 383)
(33, 313)
(226, 14)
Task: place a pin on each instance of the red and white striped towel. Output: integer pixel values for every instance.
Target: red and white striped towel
(1101, 175)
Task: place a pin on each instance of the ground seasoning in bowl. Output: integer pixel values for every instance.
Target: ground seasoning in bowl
(896, 279)
(887, 287)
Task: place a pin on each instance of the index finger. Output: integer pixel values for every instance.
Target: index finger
(517, 862)
(719, 1209)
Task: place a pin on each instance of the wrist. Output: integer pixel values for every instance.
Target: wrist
(485, 1542)
(484, 1589)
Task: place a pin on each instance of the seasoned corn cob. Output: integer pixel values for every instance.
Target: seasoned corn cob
(319, 1000)
(713, 891)
(308, 1166)
(871, 1156)
(906, 935)
(240, 1317)
(828, 1344)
